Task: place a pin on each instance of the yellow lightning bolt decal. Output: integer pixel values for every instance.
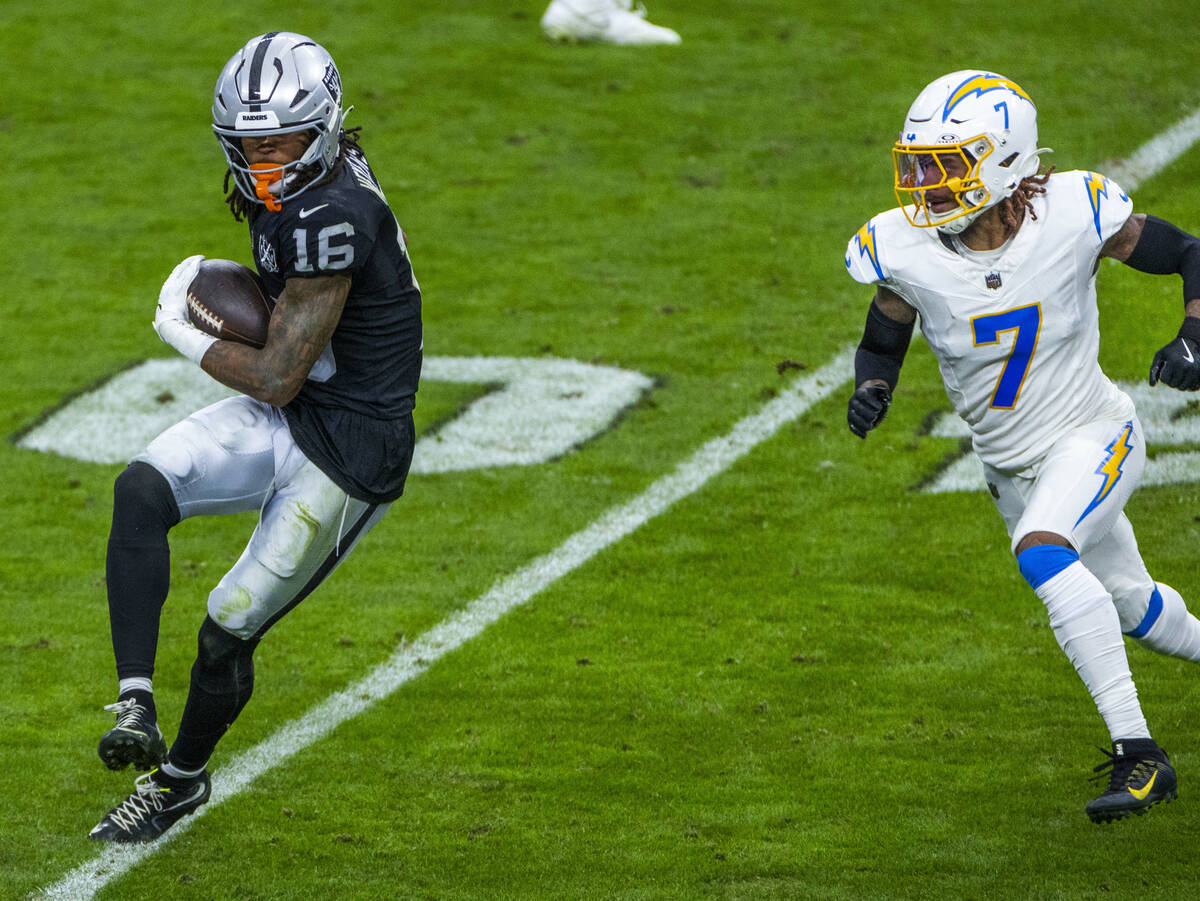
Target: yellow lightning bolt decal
(981, 84)
(1116, 452)
(1097, 187)
(1111, 468)
(866, 247)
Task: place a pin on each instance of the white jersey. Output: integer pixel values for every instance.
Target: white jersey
(1015, 330)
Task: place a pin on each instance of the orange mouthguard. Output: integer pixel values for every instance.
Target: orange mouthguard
(266, 174)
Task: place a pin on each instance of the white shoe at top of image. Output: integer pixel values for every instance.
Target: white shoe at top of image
(609, 21)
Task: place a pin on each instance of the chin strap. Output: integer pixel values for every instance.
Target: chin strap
(265, 175)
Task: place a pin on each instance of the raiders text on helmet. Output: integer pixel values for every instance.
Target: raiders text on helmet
(979, 131)
(279, 83)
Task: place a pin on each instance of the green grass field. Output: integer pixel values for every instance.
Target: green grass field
(805, 680)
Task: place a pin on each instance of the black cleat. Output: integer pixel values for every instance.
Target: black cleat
(151, 810)
(1141, 776)
(134, 739)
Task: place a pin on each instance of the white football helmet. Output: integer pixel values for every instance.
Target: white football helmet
(969, 139)
(279, 82)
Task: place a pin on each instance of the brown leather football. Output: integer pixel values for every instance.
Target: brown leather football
(228, 300)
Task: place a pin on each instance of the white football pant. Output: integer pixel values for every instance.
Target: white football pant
(1079, 490)
(238, 455)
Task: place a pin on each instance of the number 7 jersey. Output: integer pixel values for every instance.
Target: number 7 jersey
(1015, 330)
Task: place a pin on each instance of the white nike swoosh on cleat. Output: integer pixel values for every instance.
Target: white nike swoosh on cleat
(306, 213)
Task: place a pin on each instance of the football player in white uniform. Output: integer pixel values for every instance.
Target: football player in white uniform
(319, 441)
(999, 262)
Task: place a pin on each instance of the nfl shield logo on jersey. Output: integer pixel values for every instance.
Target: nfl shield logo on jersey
(993, 280)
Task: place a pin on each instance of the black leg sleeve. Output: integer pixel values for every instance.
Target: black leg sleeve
(222, 682)
(138, 565)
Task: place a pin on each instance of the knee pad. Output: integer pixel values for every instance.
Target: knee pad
(143, 503)
(224, 662)
(235, 606)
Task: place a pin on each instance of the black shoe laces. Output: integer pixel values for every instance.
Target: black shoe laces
(1124, 770)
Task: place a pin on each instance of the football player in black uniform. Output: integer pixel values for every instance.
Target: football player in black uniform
(319, 441)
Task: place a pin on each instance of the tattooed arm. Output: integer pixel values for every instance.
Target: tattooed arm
(302, 323)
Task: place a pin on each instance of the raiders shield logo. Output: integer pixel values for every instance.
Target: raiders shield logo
(266, 255)
(333, 83)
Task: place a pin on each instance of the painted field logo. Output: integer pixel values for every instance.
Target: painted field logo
(1167, 418)
(539, 410)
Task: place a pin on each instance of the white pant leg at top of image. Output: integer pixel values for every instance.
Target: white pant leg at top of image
(239, 455)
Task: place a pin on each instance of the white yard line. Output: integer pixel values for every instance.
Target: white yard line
(408, 662)
(1155, 155)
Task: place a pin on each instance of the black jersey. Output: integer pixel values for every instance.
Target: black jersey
(353, 416)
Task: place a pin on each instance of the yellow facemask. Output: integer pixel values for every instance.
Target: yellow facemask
(924, 168)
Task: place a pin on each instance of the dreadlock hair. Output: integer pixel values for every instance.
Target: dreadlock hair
(244, 208)
(1014, 207)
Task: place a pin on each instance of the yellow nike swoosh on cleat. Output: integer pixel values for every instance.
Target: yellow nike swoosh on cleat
(1140, 793)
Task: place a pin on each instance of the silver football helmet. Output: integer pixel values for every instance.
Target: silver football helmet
(278, 83)
(969, 139)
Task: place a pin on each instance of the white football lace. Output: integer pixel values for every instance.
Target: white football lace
(134, 810)
(204, 313)
(128, 713)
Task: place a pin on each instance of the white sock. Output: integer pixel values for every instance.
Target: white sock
(135, 682)
(1087, 628)
(1168, 628)
(176, 773)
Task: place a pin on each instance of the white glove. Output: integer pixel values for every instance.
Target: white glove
(171, 320)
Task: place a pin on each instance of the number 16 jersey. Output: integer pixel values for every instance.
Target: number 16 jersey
(353, 416)
(1015, 330)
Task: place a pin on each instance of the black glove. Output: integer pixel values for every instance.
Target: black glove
(868, 406)
(1178, 364)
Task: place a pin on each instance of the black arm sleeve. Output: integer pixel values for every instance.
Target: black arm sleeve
(1163, 249)
(881, 352)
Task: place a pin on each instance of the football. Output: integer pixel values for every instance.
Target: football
(228, 300)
